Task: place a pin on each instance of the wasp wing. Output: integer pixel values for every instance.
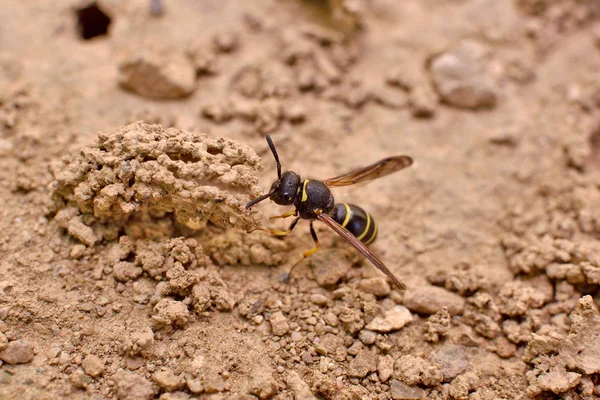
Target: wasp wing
(377, 170)
(343, 232)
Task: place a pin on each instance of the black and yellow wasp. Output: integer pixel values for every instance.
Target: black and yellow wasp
(313, 200)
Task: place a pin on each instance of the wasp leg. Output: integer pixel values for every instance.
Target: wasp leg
(277, 232)
(307, 253)
(285, 215)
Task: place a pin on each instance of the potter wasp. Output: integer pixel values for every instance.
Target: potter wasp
(313, 201)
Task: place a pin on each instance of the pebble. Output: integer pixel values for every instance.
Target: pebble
(299, 388)
(279, 324)
(385, 367)
(296, 336)
(401, 391)
(451, 360)
(79, 379)
(124, 271)
(460, 77)
(377, 286)
(169, 311)
(423, 102)
(214, 384)
(226, 42)
(194, 385)
(329, 267)
(3, 341)
(262, 384)
(430, 299)
(131, 386)
(318, 299)
(174, 396)
(158, 76)
(364, 363)
(17, 352)
(503, 347)
(394, 319)
(93, 366)
(331, 319)
(167, 380)
(367, 337)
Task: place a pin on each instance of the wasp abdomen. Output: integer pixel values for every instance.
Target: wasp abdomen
(356, 220)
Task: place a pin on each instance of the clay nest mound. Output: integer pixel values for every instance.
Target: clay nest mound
(145, 180)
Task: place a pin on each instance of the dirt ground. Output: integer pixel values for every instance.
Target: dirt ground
(126, 271)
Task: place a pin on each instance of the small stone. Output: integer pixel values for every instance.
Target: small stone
(93, 366)
(3, 341)
(423, 101)
(133, 363)
(296, 336)
(158, 76)
(385, 367)
(355, 348)
(430, 299)
(503, 347)
(174, 396)
(131, 386)
(194, 385)
(17, 352)
(364, 363)
(367, 337)
(460, 78)
(82, 232)
(226, 42)
(262, 383)
(125, 271)
(214, 384)
(218, 113)
(401, 391)
(295, 113)
(452, 360)
(394, 319)
(79, 379)
(377, 286)
(167, 380)
(279, 325)
(331, 319)
(299, 388)
(318, 299)
(77, 251)
(329, 267)
(169, 311)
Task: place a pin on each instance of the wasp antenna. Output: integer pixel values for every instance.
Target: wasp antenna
(258, 200)
(272, 147)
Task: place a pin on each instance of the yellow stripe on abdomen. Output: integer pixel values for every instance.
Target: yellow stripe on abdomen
(374, 234)
(348, 215)
(362, 235)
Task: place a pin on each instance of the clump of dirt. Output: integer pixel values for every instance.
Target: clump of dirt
(556, 233)
(146, 172)
(567, 365)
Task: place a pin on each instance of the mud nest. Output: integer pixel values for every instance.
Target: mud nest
(145, 173)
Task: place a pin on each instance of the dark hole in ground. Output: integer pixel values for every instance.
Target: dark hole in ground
(92, 21)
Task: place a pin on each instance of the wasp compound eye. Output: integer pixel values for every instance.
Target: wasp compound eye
(285, 189)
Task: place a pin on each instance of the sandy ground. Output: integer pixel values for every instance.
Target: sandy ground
(126, 271)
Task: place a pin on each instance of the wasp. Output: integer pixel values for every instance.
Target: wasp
(312, 200)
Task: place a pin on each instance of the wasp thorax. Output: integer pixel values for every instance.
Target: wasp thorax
(285, 189)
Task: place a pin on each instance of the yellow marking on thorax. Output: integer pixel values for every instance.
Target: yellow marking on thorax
(348, 214)
(367, 227)
(304, 195)
(374, 235)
